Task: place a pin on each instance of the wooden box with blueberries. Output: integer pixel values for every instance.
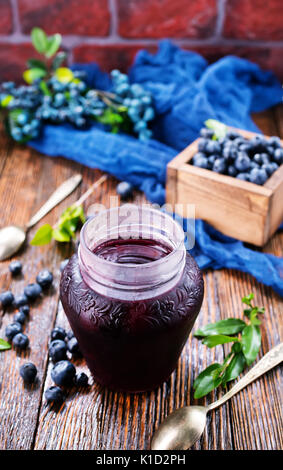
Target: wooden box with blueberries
(235, 180)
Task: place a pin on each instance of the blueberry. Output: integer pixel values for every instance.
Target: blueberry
(258, 176)
(54, 394)
(70, 335)
(274, 141)
(257, 158)
(63, 373)
(254, 165)
(213, 147)
(24, 309)
(44, 278)
(201, 162)
(13, 329)
(219, 165)
(202, 143)
(63, 264)
(206, 133)
(232, 134)
(58, 333)
(57, 350)
(124, 189)
(278, 156)
(32, 291)
(20, 300)
(198, 155)
(242, 162)
(20, 317)
(243, 176)
(15, 267)
(231, 170)
(73, 346)
(28, 372)
(81, 380)
(22, 119)
(265, 158)
(211, 159)
(20, 341)
(6, 299)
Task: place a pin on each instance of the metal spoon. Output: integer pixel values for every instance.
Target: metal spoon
(181, 429)
(12, 237)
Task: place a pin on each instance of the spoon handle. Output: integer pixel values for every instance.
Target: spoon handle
(64, 190)
(267, 362)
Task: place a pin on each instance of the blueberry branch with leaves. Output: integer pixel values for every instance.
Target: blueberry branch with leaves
(246, 339)
(56, 94)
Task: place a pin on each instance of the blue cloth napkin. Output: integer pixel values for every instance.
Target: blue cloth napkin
(186, 92)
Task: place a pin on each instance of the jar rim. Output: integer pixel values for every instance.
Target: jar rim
(132, 265)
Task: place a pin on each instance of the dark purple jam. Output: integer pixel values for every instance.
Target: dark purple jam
(132, 345)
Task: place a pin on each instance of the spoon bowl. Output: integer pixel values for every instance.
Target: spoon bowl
(181, 429)
(11, 239)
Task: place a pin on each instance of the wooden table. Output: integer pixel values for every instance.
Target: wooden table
(101, 419)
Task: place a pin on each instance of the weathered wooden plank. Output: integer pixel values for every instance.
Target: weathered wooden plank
(24, 186)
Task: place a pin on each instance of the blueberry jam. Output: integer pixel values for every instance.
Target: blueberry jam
(131, 303)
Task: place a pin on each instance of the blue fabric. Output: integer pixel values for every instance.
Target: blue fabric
(186, 92)
(214, 250)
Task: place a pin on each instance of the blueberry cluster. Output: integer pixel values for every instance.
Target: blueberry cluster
(138, 102)
(63, 372)
(14, 331)
(253, 160)
(71, 101)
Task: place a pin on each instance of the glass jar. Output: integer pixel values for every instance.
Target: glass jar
(131, 295)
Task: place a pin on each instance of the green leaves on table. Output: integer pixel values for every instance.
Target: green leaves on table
(64, 230)
(4, 345)
(243, 352)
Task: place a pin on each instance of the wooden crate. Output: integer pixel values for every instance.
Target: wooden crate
(237, 208)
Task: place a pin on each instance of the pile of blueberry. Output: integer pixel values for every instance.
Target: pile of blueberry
(137, 100)
(73, 102)
(63, 372)
(14, 331)
(253, 160)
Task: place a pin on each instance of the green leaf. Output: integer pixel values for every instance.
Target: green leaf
(234, 369)
(39, 40)
(218, 127)
(42, 236)
(247, 300)
(6, 100)
(4, 345)
(53, 44)
(33, 74)
(58, 60)
(69, 226)
(64, 75)
(207, 380)
(214, 340)
(44, 88)
(230, 326)
(36, 64)
(251, 341)
(61, 235)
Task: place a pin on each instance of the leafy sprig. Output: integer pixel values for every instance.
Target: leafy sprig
(68, 223)
(218, 128)
(243, 352)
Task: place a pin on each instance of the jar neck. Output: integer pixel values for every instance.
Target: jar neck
(132, 282)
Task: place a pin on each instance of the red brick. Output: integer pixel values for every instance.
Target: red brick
(254, 19)
(166, 18)
(83, 17)
(108, 57)
(6, 24)
(269, 58)
(13, 59)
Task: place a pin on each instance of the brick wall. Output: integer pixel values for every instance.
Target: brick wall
(110, 32)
